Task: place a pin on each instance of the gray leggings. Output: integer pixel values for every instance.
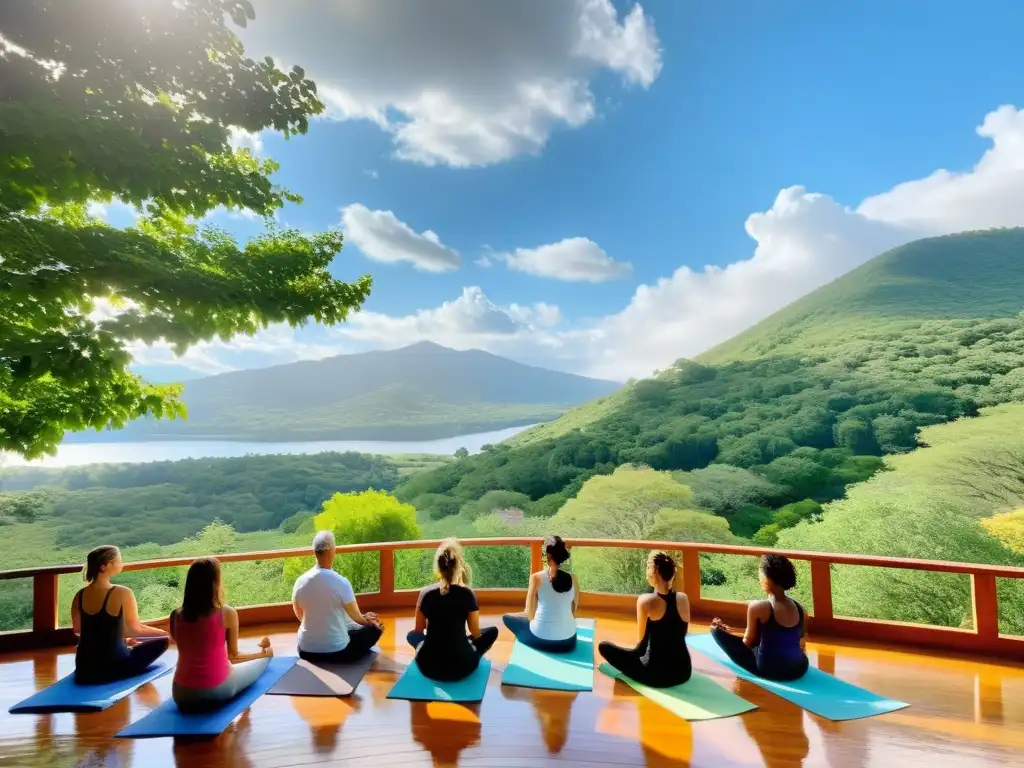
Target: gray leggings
(197, 700)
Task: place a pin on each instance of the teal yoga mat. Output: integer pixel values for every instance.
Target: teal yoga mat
(414, 686)
(817, 691)
(574, 671)
(700, 698)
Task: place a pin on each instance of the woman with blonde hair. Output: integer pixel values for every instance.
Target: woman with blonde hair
(660, 659)
(210, 671)
(444, 611)
(112, 642)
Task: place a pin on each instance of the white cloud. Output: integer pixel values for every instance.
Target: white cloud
(470, 321)
(574, 259)
(460, 82)
(371, 173)
(239, 138)
(383, 237)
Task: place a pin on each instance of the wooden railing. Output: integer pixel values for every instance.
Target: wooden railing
(984, 637)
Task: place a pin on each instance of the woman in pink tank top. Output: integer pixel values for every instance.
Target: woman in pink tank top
(210, 670)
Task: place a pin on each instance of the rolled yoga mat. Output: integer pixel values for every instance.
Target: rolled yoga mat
(167, 720)
(68, 696)
(414, 686)
(817, 691)
(573, 671)
(323, 679)
(700, 698)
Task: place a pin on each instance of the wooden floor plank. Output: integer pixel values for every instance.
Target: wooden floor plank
(963, 712)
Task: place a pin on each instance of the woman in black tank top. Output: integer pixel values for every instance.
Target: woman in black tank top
(661, 658)
(103, 654)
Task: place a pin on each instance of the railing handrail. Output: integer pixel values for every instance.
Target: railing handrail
(831, 558)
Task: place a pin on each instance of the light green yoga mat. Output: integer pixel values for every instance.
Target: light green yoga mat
(700, 698)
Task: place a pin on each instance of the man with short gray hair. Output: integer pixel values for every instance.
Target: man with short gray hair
(332, 628)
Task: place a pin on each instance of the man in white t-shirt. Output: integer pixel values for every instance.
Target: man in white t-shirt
(332, 626)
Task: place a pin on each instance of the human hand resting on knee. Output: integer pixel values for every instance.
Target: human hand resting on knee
(717, 622)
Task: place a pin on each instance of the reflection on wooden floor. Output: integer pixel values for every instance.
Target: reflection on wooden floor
(963, 713)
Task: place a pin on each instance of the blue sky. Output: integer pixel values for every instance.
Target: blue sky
(676, 123)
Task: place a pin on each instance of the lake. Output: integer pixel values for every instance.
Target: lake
(75, 454)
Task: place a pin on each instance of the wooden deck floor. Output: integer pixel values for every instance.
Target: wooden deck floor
(963, 713)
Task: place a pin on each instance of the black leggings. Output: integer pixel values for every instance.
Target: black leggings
(520, 627)
(139, 658)
(656, 674)
(360, 641)
(752, 662)
(455, 666)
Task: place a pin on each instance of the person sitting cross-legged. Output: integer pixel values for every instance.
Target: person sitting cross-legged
(332, 628)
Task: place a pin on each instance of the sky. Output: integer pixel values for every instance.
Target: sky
(604, 187)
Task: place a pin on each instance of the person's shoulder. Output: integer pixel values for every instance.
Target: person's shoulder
(760, 608)
(227, 612)
(430, 589)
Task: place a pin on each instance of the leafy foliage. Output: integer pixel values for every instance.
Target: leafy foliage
(359, 518)
(165, 502)
(136, 101)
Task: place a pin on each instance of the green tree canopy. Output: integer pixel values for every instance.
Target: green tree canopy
(136, 102)
(360, 518)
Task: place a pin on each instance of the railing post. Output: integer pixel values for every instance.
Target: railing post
(821, 592)
(387, 573)
(986, 605)
(536, 559)
(691, 574)
(45, 596)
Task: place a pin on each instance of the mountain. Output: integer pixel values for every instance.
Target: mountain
(806, 400)
(420, 392)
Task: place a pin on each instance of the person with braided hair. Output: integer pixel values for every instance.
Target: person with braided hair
(772, 646)
(660, 659)
(444, 612)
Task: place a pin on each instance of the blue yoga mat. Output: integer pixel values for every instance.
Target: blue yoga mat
(414, 686)
(574, 671)
(68, 696)
(166, 720)
(817, 691)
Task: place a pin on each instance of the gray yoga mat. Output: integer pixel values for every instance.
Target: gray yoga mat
(320, 679)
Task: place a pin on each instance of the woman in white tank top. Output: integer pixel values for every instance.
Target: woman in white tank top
(549, 623)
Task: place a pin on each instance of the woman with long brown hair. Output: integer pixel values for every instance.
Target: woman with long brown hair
(660, 659)
(444, 611)
(112, 642)
(210, 669)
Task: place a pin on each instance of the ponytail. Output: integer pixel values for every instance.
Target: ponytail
(96, 559)
(451, 566)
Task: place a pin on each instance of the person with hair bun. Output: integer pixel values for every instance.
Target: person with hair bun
(773, 645)
(660, 658)
(549, 623)
(112, 642)
(444, 611)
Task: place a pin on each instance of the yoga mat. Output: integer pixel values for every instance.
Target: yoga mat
(414, 686)
(699, 698)
(68, 696)
(574, 671)
(166, 720)
(817, 691)
(322, 679)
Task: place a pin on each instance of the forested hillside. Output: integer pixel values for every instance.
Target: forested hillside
(420, 392)
(797, 408)
(165, 502)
